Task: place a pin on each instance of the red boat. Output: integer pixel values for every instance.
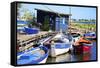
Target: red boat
(82, 46)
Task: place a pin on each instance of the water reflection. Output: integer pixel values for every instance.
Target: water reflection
(70, 56)
(60, 58)
(81, 57)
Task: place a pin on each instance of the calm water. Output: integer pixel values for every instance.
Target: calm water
(69, 57)
(87, 22)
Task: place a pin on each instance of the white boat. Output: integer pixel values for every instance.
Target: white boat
(60, 45)
(76, 37)
(36, 55)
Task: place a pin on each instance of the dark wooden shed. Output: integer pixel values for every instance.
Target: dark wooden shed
(51, 20)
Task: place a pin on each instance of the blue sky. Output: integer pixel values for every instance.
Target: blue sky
(77, 12)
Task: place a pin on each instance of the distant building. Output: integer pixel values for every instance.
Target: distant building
(56, 21)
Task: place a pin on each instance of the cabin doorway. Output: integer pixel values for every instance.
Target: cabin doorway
(61, 24)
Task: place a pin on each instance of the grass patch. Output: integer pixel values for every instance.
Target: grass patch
(84, 26)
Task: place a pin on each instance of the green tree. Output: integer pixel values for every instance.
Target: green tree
(18, 8)
(27, 16)
(93, 20)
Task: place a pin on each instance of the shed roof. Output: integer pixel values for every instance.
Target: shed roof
(53, 12)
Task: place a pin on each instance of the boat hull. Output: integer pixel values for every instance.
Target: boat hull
(43, 61)
(33, 58)
(31, 30)
(81, 49)
(59, 49)
(90, 35)
(57, 52)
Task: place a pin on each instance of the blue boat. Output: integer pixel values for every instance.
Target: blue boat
(20, 26)
(31, 30)
(60, 45)
(90, 35)
(33, 56)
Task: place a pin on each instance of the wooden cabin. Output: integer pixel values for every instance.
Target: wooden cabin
(51, 20)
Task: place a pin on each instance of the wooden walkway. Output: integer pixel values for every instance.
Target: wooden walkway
(29, 40)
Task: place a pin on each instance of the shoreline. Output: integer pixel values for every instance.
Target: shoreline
(82, 28)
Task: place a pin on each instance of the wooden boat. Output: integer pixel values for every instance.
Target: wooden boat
(33, 56)
(59, 45)
(90, 35)
(82, 45)
(31, 30)
(76, 37)
(81, 41)
(22, 27)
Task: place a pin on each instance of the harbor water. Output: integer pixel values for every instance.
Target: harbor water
(70, 56)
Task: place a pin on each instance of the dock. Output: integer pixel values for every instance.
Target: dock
(27, 41)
